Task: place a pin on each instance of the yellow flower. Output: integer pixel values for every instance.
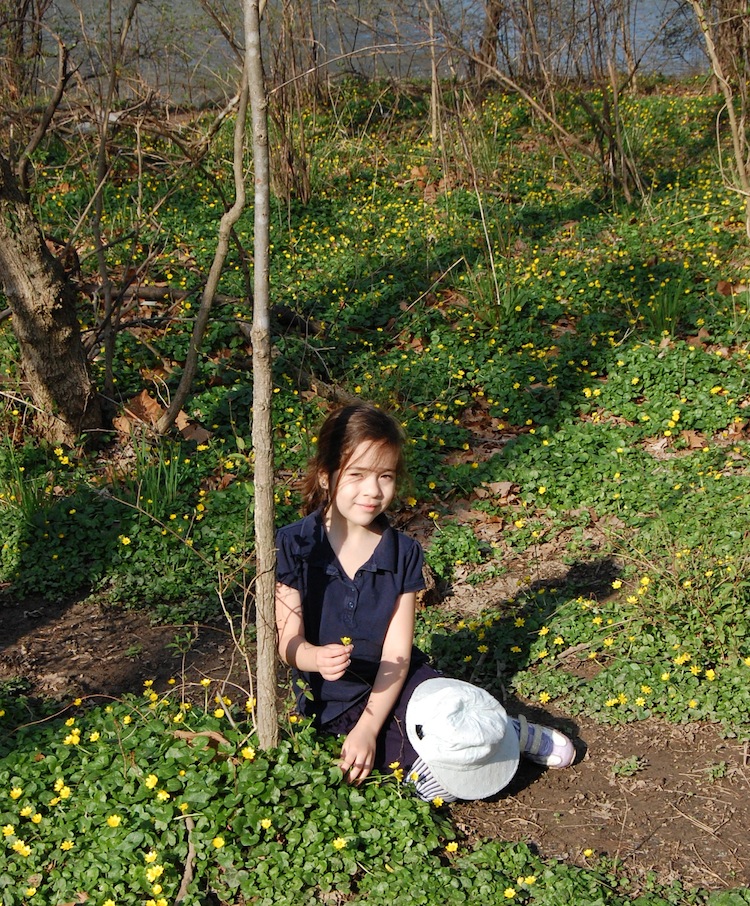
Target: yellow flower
(95, 736)
(114, 821)
(66, 845)
(65, 792)
(544, 630)
(219, 712)
(156, 871)
(16, 792)
(509, 893)
(437, 801)
(151, 781)
(544, 697)
(218, 842)
(21, 848)
(617, 583)
(37, 818)
(9, 830)
(588, 853)
(163, 796)
(339, 843)
(109, 903)
(451, 847)
(665, 676)
(205, 681)
(265, 823)
(710, 675)
(150, 856)
(248, 753)
(30, 891)
(345, 640)
(529, 879)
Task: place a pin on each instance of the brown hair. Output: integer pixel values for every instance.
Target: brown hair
(341, 433)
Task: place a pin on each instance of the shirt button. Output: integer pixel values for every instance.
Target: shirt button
(350, 605)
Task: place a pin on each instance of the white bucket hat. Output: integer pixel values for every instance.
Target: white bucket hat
(464, 736)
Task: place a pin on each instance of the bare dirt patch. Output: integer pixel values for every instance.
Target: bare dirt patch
(683, 814)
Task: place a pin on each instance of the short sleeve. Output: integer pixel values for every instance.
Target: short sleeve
(288, 560)
(413, 561)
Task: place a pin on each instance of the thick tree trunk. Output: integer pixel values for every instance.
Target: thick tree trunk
(43, 303)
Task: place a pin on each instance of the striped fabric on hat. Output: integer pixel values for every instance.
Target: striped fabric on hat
(426, 785)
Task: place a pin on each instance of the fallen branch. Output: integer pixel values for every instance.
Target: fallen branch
(188, 873)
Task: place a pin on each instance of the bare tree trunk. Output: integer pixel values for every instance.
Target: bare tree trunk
(488, 43)
(45, 323)
(265, 552)
(228, 220)
(731, 73)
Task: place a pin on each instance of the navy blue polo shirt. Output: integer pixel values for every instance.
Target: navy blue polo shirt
(335, 605)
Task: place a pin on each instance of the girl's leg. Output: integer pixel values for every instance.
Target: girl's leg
(393, 745)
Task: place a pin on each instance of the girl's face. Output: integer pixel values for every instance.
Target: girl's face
(366, 486)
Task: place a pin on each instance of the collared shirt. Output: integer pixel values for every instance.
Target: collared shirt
(336, 606)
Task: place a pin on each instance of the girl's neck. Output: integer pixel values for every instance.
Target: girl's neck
(352, 544)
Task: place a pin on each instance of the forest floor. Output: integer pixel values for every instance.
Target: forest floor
(668, 801)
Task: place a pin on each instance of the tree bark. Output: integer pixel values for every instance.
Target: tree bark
(265, 549)
(489, 41)
(43, 303)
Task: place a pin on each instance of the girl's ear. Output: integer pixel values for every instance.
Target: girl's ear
(323, 480)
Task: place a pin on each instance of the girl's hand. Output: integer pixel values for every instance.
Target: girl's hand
(358, 754)
(332, 661)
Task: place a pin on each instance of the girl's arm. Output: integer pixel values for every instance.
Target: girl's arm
(358, 751)
(331, 661)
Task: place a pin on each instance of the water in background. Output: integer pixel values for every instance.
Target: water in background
(177, 50)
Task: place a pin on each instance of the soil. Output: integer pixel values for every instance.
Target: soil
(682, 815)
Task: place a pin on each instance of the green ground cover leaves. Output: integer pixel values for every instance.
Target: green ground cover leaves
(558, 358)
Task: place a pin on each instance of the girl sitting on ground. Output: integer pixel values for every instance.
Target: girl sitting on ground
(345, 608)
